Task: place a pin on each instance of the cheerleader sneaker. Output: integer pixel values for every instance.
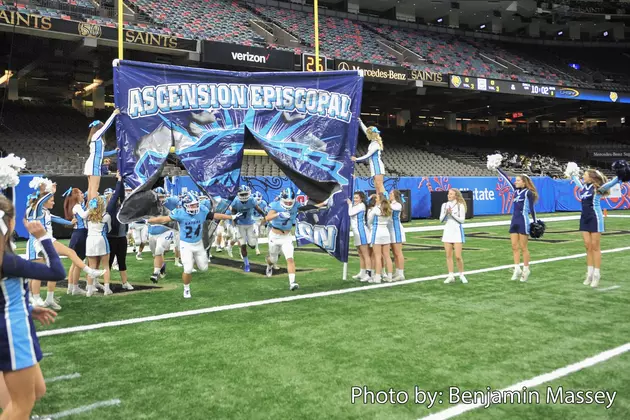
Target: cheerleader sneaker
(229, 252)
(588, 280)
(38, 302)
(115, 267)
(376, 279)
(257, 251)
(98, 286)
(94, 273)
(398, 277)
(595, 282)
(127, 286)
(77, 291)
(90, 291)
(525, 275)
(107, 291)
(52, 305)
(449, 279)
(178, 264)
(154, 278)
(389, 278)
(364, 278)
(358, 276)
(269, 271)
(294, 286)
(187, 294)
(138, 257)
(276, 267)
(517, 274)
(463, 279)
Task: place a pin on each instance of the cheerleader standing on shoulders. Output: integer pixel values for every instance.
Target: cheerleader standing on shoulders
(379, 218)
(97, 152)
(525, 196)
(377, 167)
(20, 352)
(397, 235)
(97, 246)
(453, 215)
(74, 209)
(361, 234)
(594, 187)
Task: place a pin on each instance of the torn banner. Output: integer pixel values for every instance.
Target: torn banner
(307, 123)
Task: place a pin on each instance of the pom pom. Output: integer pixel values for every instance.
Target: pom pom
(622, 169)
(10, 170)
(572, 170)
(494, 161)
(537, 229)
(38, 181)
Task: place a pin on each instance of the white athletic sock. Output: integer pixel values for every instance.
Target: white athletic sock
(517, 267)
(187, 287)
(526, 268)
(70, 287)
(106, 286)
(50, 296)
(589, 270)
(76, 287)
(291, 278)
(450, 274)
(156, 270)
(362, 271)
(401, 272)
(596, 272)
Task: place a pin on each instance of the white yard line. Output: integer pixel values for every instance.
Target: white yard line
(608, 289)
(242, 305)
(534, 382)
(62, 378)
(82, 409)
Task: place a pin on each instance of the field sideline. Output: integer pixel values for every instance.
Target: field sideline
(223, 354)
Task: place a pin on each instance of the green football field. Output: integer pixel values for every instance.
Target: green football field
(300, 355)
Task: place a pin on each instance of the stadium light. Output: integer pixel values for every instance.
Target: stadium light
(605, 33)
(5, 78)
(440, 20)
(482, 26)
(560, 33)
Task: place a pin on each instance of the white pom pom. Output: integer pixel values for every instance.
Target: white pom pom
(572, 170)
(37, 181)
(494, 161)
(10, 170)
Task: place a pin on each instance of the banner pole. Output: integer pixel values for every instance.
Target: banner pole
(121, 8)
(316, 30)
(345, 272)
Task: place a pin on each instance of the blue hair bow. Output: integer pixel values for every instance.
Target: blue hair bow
(95, 123)
(67, 193)
(93, 204)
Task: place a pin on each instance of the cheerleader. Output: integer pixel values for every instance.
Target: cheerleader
(361, 234)
(453, 215)
(594, 187)
(397, 235)
(379, 218)
(20, 352)
(525, 196)
(74, 209)
(97, 152)
(97, 246)
(377, 168)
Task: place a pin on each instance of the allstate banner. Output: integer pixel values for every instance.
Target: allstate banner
(307, 123)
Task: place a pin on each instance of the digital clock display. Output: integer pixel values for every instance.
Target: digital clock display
(308, 63)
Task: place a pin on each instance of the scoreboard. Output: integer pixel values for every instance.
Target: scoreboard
(309, 63)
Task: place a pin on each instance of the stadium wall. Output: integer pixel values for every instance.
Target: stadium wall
(491, 195)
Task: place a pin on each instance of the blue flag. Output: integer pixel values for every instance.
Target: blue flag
(306, 122)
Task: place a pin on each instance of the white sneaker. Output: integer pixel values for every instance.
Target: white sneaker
(376, 279)
(178, 264)
(70, 289)
(588, 280)
(364, 278)
(269, 271)
(294, 286)
(187, 294)
(127, 286)
(398, 277)
(257, 251)
(78, 292)
(52, 305)
(229, 252)
(98, 286)
(449, 279)
(162, 275)
(389, 278)
(595, 281)
(139, 256)
(276, 267)
(517, 274)
(38, 301)
(357, 277)
(91, 290)
(115, 267)
(463, 279)
(525, 275)
(108, 292)
(96, 273)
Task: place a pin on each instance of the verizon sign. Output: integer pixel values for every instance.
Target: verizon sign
(244, 56)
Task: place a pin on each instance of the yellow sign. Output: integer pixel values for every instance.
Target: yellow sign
(614, 96)
(29, 21)
(426, 76)
(456, 81)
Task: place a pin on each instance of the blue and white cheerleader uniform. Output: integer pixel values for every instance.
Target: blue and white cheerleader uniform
(523, 205)
(396, 232)
(380, 231)
(80, 232)
(42, 215)
(19, 346)
(454, 222)
(97, 244)
(592, 217)
(360, 231)
(97, 149)
(377, 167)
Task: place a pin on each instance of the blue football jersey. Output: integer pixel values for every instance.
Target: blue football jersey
(190, 225)
(248, 209)
(286, 218)
(264, 207)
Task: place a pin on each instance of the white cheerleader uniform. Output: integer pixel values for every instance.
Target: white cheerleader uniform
(357, 223)
(396, 231)
(97, 244)
(377, 167)
(97, 150)
(379, 223)
(453, 228)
